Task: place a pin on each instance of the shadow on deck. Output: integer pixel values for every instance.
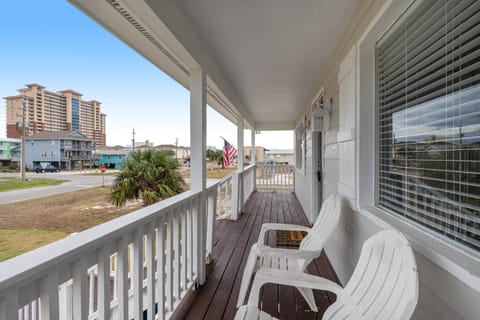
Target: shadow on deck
(233, 239)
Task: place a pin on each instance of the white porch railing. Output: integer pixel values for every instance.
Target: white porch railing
(233, 192)
(142, 261)
(224, 200)
(275, 177)
(248, 181)
(139, 263)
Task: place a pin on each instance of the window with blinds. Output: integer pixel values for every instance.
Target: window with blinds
(428, 119)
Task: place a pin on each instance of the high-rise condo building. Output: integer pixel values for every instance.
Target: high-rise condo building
(55, 111)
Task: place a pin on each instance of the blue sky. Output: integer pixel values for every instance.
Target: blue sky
(54, 44)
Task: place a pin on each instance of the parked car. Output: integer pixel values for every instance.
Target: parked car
(47, 168)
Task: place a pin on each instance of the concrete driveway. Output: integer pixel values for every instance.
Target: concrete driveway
(76, 181)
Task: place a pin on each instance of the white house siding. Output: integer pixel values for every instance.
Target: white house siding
(447, 291)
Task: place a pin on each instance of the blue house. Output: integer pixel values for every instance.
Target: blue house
(111, 157)
(64, 149)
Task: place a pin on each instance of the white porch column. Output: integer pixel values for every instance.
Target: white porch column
(241, 152)
(237, 194)
(254, 150)
(254, 158)
(198, 141)
(198, 129)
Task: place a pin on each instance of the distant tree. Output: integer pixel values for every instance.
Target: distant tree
(170, 153)
(211, 155)
(216, 156)
(150, 175)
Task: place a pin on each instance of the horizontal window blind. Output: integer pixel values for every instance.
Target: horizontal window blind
(428, 119)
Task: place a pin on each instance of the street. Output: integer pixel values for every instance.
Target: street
(76, 181)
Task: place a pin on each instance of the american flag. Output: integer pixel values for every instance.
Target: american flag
(228, 153)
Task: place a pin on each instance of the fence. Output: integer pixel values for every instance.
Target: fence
(275, 177)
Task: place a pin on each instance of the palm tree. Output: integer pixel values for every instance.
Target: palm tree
(150, 175)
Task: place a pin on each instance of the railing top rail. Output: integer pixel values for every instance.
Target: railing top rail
(212, 185)
(34, 264)
(226, 178)
(261, 164)
(249, 167)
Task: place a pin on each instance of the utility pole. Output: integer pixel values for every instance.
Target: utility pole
(133, 140)
(176, 148)
(23, 138)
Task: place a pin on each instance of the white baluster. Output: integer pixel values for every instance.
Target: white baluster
(190, 257)
(49, 296)
(69, 300)
(91, 290)
(113, 275)
(169, 264)
(176, 250)
(103, 280)
(195, 238)
(161, 268)
(219, 199)
(137, 274)
(122, 276)
(202, 226)
(35, 310)
(80, 289)
(150, 272)
(235, 197)
(184, 242)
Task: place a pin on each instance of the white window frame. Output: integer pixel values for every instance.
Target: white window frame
(462, 263)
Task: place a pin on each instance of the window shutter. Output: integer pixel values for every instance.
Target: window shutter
(428, 119)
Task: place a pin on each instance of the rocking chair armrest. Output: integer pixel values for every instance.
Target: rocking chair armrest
(279, 226)
(266, 251)
(289, 278)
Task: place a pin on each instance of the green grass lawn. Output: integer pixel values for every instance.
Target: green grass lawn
(14, 242)
(9, 184)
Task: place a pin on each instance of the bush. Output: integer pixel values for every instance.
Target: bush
(150, 175)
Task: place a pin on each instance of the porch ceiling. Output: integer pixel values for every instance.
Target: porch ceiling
(263, 58)
(271, 51)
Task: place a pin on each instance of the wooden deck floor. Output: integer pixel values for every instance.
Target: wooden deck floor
(233, 239)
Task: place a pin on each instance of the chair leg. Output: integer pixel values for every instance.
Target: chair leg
(308, 296)
(247, 275)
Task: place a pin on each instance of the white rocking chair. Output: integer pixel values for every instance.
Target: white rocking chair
(384, 284)
(310, 248)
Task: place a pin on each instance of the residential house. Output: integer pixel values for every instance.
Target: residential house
(6, 147)
(352, 78)
(259, 153)
(111, 157)
(280, 155)
(180, 152)
(64, 149)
